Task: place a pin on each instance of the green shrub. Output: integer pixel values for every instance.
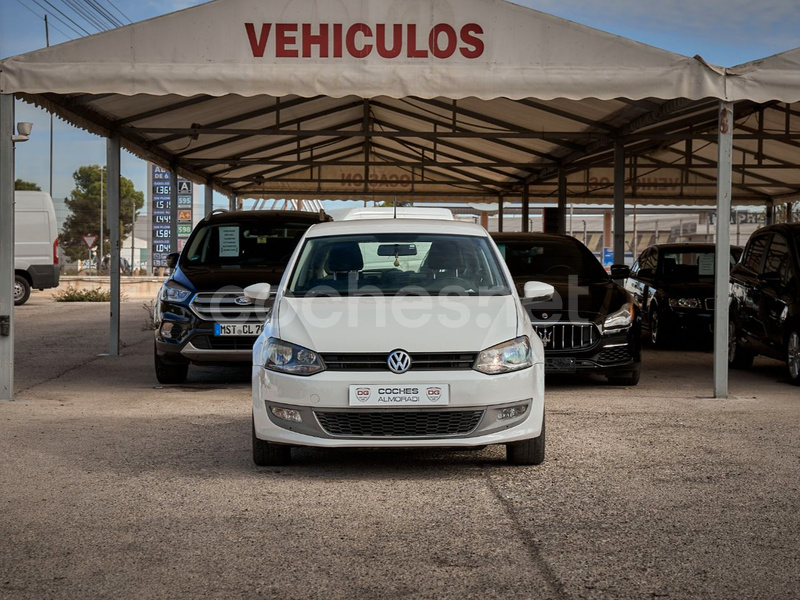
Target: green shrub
(73, 295)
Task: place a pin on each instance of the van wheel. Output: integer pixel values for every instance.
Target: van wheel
(266, 454)
(738, 357)
(169, 373)
(793, 356)
(22, 290)
(527, 452)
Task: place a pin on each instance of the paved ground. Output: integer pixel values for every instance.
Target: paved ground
(114, 486)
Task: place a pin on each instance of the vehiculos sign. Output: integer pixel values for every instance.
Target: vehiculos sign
(361, 40)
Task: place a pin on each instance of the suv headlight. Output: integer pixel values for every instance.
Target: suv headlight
(512, 355)
(685, 303)
(173, 292)
(284, 357)
(621, 318)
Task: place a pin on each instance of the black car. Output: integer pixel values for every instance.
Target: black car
(201, 315)
(592, 324)
(673, 286)
(765, 300)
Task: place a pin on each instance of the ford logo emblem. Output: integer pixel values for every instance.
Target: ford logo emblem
(242, 300)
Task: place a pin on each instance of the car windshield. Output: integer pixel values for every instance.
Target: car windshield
(243, 244)
(688, 266)
(396, 264)
(555, 259)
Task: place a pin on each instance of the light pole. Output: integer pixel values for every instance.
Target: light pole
(100, 248)
(133, 228)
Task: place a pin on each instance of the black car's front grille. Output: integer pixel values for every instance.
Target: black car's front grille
(567, 336)
(228, 342)
(615, 355)
(419, 361)
(223, 308)
(399, 423)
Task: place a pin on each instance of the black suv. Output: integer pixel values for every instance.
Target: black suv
(592, 324)
(765, 300)
(201, 315)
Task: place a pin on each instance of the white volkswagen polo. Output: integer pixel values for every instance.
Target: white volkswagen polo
(397, 333)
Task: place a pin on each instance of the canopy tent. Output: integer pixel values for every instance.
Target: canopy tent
(422, 100)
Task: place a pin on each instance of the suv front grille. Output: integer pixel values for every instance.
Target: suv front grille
(567, 336)
(221, 308)
(399, 423)
(419, 361)
(614, 355)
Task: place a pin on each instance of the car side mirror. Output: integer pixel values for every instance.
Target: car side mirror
(172, 259)
(258, 293)
(620, 271)
(537, 291)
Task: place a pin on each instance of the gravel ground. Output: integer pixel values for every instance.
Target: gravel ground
(114, 486)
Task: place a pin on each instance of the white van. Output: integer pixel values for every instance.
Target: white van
(35, 244)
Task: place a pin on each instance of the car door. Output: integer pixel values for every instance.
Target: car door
(746, 290)
(776, 281)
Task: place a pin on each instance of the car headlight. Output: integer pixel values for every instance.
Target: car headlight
(173, 292)
(284, 357)
(685, 303)
(621, 318)
(512, 355)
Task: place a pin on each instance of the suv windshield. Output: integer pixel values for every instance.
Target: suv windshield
(243, 244)
(690, 266)
(392, 263)
(551, 259)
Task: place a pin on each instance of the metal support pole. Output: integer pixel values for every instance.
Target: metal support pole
(723, 249)
(208, 200)
(619, 203)
(526, 208)
(561, 215)
(173, 211)
(112, 184)
(500, 214)
(789, 209)
(6, 247)
(770, 216)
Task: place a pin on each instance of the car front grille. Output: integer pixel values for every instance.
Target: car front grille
(399, 423)
(419, 361)
(228, 342)
(615, 355)
(567, 336)
(221, 307)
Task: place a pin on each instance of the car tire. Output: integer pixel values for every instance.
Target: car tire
(629, 380)
(266, 454)
(793, 355)
(658, 336)
(527, 452)
(22, 290)
(170, 373)
(738, 357)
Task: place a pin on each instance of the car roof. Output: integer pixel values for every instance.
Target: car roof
(226, 216)
(687, 246)
(786, 228)
(368, 226)
(522, 236)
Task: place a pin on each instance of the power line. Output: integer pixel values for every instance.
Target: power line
(124, 16)
(101, 10)
(62, 21)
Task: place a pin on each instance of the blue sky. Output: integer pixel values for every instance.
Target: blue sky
(724, 32)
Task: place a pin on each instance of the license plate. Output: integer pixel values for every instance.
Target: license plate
(223, 329)
(560, 365)
(408, 394)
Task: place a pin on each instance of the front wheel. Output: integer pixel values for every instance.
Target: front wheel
(793, 356)
(22, 290)
(266, 454)
(629, 379)
(527, 452)
(170, 373)
(738, 357)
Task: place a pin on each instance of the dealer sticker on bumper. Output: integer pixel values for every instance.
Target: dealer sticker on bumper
(413, 394)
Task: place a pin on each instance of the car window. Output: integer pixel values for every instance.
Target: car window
(244, 243)
(754, 252)
(778, 259)
(397, 263)
(647, 269)
(551, 259)
(687, 266)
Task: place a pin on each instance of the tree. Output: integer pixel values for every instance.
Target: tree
(84, 206)
(26, 186)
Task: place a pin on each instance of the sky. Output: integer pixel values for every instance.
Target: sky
(723, 32)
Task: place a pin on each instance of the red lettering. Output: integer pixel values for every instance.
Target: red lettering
(411, 40)
(475, 45)
(397, 40)
(258, 45)
(337, 40)
(450, 36)
(321, 40)
(350, 40)
(285, 36)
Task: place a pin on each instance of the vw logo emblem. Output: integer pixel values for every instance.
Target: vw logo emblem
(242, 300)
(399, 361)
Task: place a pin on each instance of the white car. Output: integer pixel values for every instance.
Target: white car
(398, 333)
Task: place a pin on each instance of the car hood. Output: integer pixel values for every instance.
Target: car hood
(212, 279)
(383, 324)
(591, 301)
